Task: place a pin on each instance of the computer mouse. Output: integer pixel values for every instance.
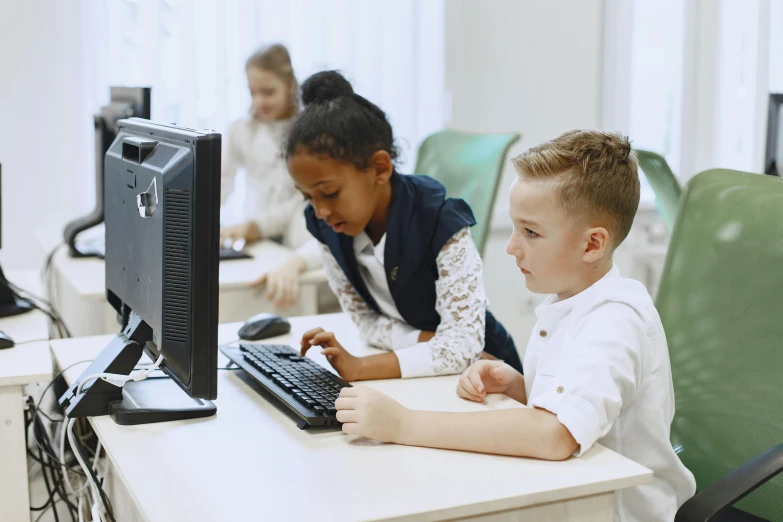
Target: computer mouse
(262, 326)
(5, 341)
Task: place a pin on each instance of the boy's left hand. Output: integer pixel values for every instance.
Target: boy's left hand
(369, 413)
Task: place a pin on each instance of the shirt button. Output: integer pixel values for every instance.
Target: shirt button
(542, 333)
(560, 389)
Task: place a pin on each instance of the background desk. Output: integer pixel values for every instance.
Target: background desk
(27, 363)
(250, 462)
(80, 288)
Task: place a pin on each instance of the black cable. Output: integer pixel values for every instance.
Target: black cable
(98, 484)
(53, 506)
(31, 341)
(62, 330)
(46, 274)
(48, 487)
(39, 303)
(38, 306)
(57, 485)
(58, 479)
(60, 374)
(44, 306)
(37, 410)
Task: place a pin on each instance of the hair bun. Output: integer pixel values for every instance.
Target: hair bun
(325, 86)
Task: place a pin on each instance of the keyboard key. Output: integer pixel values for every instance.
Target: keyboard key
(297, 377)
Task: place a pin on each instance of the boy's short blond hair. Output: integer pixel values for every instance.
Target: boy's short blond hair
(598, 174)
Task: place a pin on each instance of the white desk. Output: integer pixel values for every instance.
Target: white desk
(30, 326)
(250, 462)
(80, 289)
(27, 363)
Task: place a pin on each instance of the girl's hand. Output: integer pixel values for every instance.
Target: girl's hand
(282, 284)
(347, 365)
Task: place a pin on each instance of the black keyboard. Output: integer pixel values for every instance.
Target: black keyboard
(306, 388)
(227, 254)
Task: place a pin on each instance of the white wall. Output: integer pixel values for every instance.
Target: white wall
(533, 67)
(45, 130)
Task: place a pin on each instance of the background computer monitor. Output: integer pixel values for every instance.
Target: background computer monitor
(773, 161)
(125, 102)
(10, 302)
(162, 201)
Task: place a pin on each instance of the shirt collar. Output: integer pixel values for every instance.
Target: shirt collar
(362, 244)
(550, 308)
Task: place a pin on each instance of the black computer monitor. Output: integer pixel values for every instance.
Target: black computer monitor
(773, 161)
(125, 102)
(10, 302)
(162, 201)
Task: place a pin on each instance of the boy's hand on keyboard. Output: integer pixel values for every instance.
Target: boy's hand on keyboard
(484, 377)
(369, 413)
(347, 365)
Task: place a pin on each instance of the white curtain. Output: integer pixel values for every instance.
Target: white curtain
(699, 74)
(192, 54)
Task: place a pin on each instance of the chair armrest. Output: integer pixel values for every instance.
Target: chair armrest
(722, 494)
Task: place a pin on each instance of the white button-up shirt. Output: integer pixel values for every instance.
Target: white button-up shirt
(370, 259)
(600, 362)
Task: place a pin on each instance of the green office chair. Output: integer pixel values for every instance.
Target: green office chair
(721, 304)
(663, 182)
(470, 167)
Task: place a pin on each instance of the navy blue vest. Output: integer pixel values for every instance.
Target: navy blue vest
(421, 220)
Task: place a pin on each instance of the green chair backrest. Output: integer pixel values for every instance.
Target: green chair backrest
(470, 167)
(721, 304)
(663, 182)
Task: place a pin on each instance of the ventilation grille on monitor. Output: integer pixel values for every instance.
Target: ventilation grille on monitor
(160, 156)
(176, 265)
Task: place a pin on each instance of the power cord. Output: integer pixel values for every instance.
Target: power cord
(101, 509)
(118, 379)
(56, 471)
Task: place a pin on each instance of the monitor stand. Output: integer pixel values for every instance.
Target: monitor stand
(143, 402)
(10, 303)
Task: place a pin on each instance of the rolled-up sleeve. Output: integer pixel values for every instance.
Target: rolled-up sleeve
(598, 373)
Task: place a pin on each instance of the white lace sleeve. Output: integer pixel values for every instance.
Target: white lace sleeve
(375, 329)
(462, 305)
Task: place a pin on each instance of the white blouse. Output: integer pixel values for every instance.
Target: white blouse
(270, 200)
(461, 303)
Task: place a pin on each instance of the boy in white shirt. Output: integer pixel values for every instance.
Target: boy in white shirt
(596, 365)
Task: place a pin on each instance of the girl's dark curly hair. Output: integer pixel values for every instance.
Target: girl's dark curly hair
(338, 123)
